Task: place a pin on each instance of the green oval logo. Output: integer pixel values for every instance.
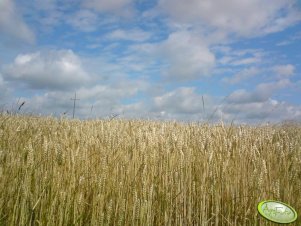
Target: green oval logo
(278, 212)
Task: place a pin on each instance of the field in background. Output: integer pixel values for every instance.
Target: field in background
(71, 172)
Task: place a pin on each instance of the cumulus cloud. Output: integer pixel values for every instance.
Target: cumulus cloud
(45, 4)
(12, 24)
(184, 104)
(243, 96)
(242, 75)
(187, 56)
(181, 100)
(290, 40)
(241, 57)
(4, 90)
(83, 20)
(132, 35)
(269, 110)
(244, 18)
(106, 99)
(49, 14)
(246, 61)
(262, 92)
(119, 7)
(47, 70)
(284, 70)
(182, 56)
(109, 99)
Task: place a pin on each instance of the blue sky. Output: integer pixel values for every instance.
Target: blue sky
(153, 59)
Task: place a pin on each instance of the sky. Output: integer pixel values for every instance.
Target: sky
(196, 60)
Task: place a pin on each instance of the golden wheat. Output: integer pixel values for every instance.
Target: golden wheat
(126, 172)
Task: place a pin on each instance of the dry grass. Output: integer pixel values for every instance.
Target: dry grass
(71, 172)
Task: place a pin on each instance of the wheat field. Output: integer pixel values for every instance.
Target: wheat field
(135, 172)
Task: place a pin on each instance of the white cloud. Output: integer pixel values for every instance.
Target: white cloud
(183, 56)
(244, 18)
(188, 56)
(243, 96)
(12, 24)
(51, 19)
(132, 35)
(273, 86)
(119, 7)
(4, 90)
(225, 60)
(181, 100)
(262, 92)
(84, 20)
(284, 70)
(45, 4)
(284, 43)
(297, 86)
(48, 5)
(269, 110)
(291, 39)
(242, 75)
(48, 70)
(48, 14)
(185, 104)
(246, 61)
(106, 99)
(239, 57)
